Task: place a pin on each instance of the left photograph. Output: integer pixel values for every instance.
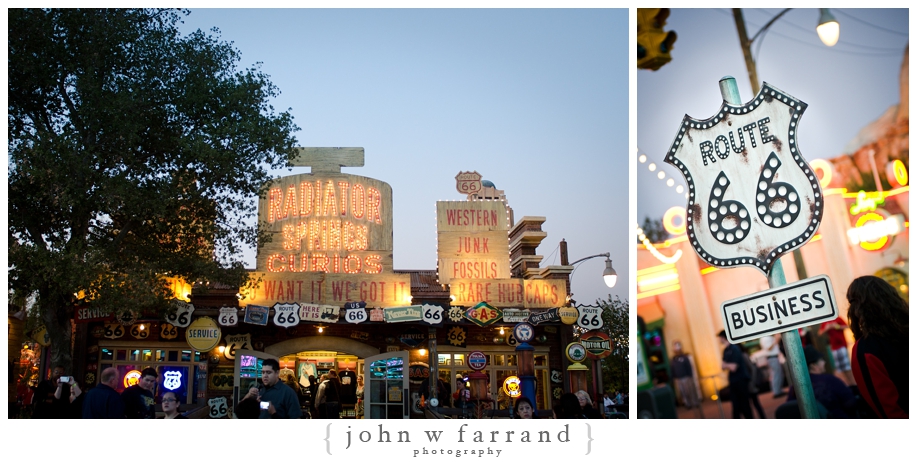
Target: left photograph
(318, 214)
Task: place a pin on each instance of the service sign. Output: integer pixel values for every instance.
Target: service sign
(83, 315)
(752, 195)
(203, 334)
(781, 309)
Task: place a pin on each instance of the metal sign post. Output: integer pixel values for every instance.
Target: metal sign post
(752, 196)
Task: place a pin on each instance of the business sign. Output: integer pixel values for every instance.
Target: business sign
(575, 352)
(203, 334)
(318, 313)
(483, 314)
(418, 372)
(477, 360)
(781, 309)
(131, 378)
(218, 407)
(404, 314)
(509, 293)
(516, 315)
(752, 196)
(412, 337)
(256, 314)
(335, 236)
(524, 332)
(512, 386)
(472, 240)
(597, 344)
(356, 315)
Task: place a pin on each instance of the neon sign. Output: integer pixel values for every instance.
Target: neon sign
(131, 378)
(172, 380)
(512, 386)
(873, 231)
(865, 203)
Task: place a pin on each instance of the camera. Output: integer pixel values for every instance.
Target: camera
(265, 405)
(64, 379)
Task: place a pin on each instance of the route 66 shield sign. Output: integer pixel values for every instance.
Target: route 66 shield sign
(751, 195)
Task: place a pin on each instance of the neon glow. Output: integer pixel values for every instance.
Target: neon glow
(331, 199)
(172, 380)
(824, 170)
(872, 230)
(672, 215)
(896, 172)
(131, 378)
(865, 203)
(512, 386)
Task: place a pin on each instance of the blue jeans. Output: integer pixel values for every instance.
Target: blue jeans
(776, 375)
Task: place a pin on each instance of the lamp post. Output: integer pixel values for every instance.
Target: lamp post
(828, 31)
(576, 371)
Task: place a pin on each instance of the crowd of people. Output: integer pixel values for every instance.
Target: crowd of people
(868, 380)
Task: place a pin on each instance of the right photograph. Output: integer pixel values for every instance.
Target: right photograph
(773, 221)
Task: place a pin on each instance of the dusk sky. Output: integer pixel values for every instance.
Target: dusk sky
(847, 86)
(534, 100)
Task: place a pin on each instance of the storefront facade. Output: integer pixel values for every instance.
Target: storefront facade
(326, 297)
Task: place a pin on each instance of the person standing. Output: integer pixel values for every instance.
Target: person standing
(739, 377)
(328, 399)
(683, 372)
(281, 400)
(139, 402)
(170, 406)
(838, 342)
(878, 318)
(770, 344)
(52, 396)
(360, 392)
(103, 402)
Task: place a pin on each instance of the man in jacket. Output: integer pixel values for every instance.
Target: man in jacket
(282, 402)
(103, 402)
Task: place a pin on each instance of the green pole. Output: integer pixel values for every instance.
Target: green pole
(799, 372)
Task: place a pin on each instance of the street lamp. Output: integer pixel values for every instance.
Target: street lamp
(828, 28)
(609, 275)
(828, 31)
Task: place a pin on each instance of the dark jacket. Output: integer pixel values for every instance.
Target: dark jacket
(138, 403)
(103, 402)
